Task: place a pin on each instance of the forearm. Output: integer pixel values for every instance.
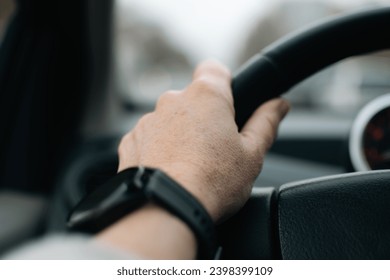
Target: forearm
(152, 232)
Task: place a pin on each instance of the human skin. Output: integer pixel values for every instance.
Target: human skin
(192, 136)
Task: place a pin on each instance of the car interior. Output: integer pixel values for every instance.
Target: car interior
(324, 189)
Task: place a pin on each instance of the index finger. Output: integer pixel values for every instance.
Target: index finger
(213, 69)
(216, 75)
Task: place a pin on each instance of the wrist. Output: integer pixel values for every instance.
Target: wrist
(198, 187)
(131, 189)
(161, 236)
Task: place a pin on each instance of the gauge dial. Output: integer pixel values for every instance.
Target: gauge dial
(369, 144)
(376, 141)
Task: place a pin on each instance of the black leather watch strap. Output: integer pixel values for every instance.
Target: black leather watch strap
(134, 187)
(166, 192)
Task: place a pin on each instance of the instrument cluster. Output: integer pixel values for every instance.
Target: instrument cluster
(369, 141)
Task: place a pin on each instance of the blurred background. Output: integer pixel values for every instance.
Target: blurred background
(159, 42)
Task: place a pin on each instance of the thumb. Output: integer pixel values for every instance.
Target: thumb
(260, 130)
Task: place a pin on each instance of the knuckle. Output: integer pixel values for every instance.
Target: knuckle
(166, 98)
(214, 67)
(144, 120)
(205, 86)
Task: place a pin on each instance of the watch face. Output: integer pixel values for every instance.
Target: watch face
(107, 203)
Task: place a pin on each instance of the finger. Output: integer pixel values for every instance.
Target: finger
(167, 98)
(213, 76)
(260, 130)
(212, 69)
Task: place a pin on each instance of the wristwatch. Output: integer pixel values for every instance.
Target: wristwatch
(134, 187)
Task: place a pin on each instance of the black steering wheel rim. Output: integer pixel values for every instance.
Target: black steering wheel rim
(297, 56)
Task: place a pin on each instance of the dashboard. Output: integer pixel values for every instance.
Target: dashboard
(315, 145)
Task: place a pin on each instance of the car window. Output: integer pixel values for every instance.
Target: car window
(159, 42)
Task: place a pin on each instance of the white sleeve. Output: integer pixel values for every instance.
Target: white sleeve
(66, 247)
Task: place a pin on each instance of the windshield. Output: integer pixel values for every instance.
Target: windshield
(159, 42)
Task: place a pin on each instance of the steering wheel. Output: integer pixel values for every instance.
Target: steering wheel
(337, 217)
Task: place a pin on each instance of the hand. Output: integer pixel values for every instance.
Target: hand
(192, 136)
